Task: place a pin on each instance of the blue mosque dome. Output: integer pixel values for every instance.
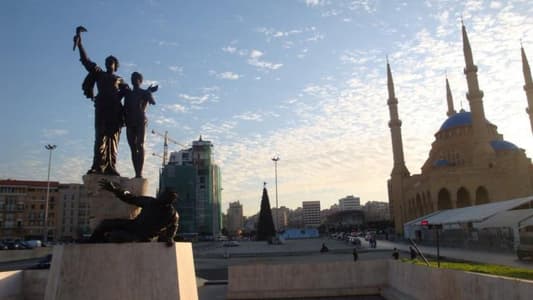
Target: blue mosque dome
(459, 119)
(503, 145)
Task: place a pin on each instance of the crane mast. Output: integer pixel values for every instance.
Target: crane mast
(166, 139)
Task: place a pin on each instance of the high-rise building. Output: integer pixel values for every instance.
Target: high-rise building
(280, 217)
(73, 212)
(235, 220)
(22, 209)
(311, 213)
(469, 162)
(193, 174)
(349, 203)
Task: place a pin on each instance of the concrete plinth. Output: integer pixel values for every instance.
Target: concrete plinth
(122, 271)
(105, 205)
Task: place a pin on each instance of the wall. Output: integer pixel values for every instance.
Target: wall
(263, 281)
(414, 281)
(11, 285)
(388, 278)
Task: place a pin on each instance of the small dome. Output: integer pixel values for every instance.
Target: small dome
(503, 145)
(459, 119)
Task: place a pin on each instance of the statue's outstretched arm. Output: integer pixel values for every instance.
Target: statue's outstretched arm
(167, 234)
(118, 191)
(85, 61)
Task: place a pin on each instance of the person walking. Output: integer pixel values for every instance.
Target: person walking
(412, 252)
(395, 254)
(355, 255)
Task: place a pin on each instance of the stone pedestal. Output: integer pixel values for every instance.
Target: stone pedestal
(105, 205)
(133, 271)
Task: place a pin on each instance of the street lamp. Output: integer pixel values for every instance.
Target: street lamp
(45, 235)
(275, 159)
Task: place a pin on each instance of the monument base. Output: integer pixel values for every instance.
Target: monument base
(122, 271)
(105, 205)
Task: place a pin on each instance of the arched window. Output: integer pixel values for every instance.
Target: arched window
(463, 198)
(444, 200)
(482, 196)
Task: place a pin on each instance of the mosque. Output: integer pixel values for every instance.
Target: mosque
(469, 163)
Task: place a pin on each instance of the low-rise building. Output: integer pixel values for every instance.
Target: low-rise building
(22, 209)
(376, 211)
(73, 212)
(350, 203)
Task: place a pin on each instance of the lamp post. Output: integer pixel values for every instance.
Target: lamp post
(45, 235)
(275, 159)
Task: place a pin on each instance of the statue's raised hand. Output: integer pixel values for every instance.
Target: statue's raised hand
(152, 88)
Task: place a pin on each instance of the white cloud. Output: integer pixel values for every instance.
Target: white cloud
(262, 64)
(228, 75)
(195, 99)
(51, 133)
(229, 49)
(163, 43)
(314, 3)
(495, 4)
(176, 69)
(176, 107)
(249, 116)
(256, 54)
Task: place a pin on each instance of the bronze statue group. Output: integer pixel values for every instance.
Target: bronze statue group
(110, 115)
(158, 217)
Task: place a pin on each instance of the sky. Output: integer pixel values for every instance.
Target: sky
(304, 80)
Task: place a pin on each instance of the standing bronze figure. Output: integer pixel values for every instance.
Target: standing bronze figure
(108, 115)
(135, 102)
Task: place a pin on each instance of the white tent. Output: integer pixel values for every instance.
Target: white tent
(471, 214)
(510, 218)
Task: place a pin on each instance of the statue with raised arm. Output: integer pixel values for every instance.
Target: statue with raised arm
(135, 103)
(158, 219)
(108, 115)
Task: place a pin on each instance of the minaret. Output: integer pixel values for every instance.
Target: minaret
(399, 171)
(475, 99)
(528, 86)
(449, 98)
(395, 125)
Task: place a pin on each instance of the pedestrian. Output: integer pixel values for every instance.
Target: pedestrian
(395, 254)
(412, 252)
(355, 255)
(324, 248)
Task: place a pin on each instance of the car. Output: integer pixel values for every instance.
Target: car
(14, 245)
(231, 244)
(31, 244)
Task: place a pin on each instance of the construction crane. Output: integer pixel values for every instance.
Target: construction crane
(165, 145)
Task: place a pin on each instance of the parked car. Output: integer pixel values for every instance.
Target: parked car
(15, 245)
(31, 244)
(231, 244)
(3, 246)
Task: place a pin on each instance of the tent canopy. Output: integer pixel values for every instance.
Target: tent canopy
(510, 218)
(477, 213)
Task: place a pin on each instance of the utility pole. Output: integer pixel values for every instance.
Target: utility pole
(275, 159)
(45, 234)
